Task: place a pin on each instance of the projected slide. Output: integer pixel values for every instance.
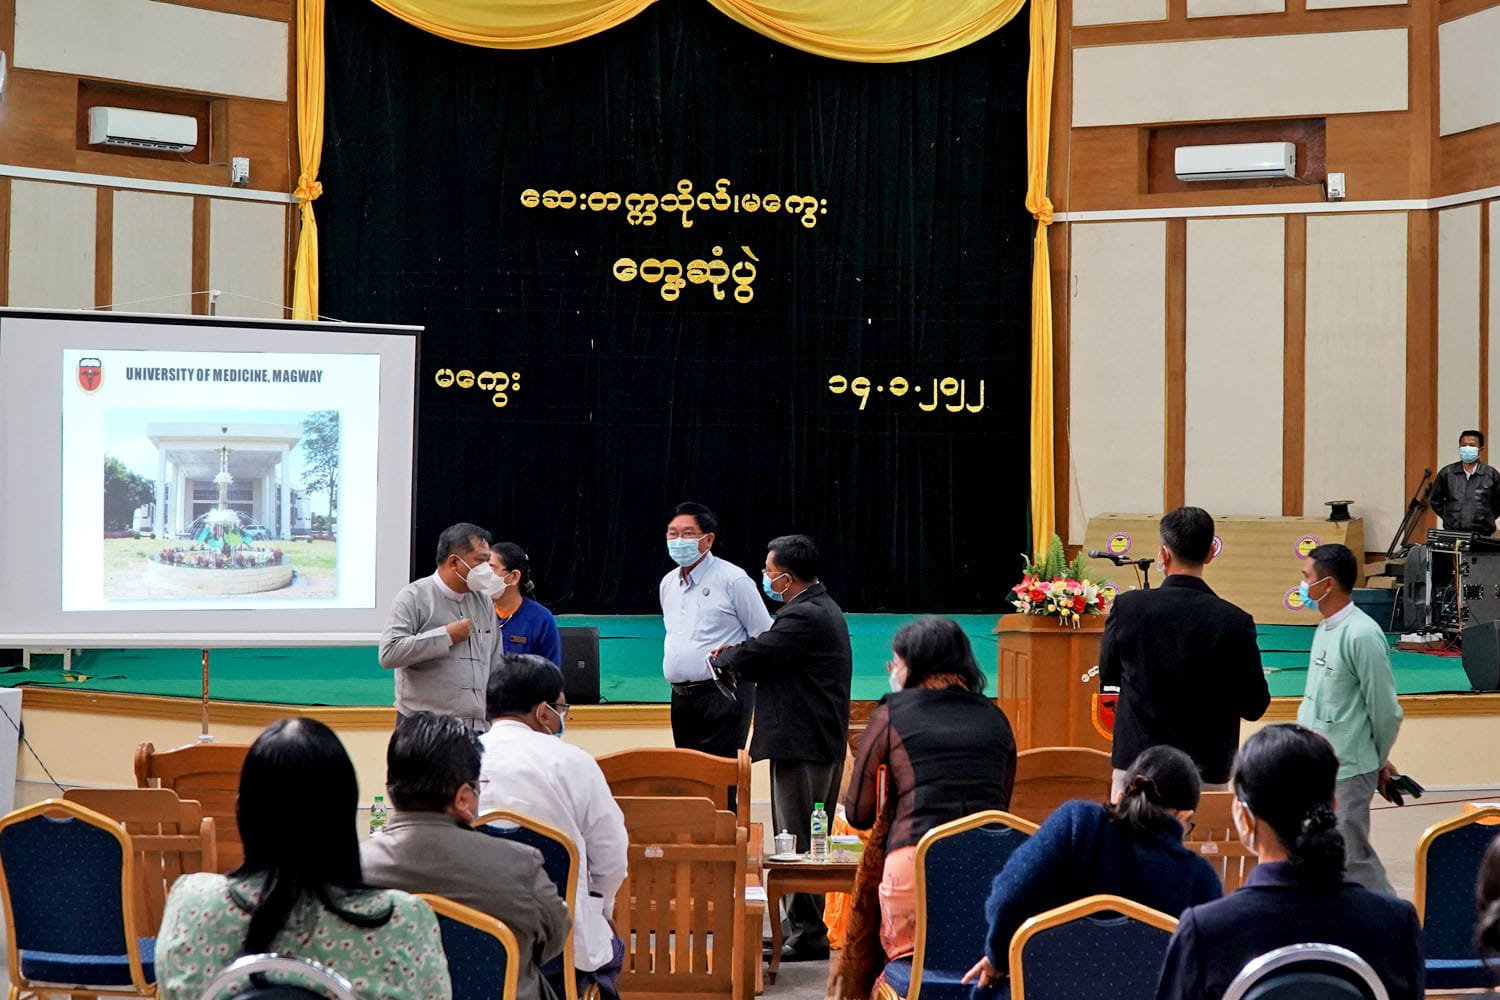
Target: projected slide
(202, 479)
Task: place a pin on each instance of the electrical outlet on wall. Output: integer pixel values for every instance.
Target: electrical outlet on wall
(239, 171)
(1335, 187)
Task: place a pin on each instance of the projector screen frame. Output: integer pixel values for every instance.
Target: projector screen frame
(228, 638)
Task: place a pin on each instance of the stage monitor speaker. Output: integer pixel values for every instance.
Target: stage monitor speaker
(580, 665)
(1482, 656)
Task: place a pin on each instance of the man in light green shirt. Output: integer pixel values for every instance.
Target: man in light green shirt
(1350, 699)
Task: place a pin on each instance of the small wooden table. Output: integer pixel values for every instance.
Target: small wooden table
(783, 877)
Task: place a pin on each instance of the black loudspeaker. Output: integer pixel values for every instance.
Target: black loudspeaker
(580, 665)
(1482, 656)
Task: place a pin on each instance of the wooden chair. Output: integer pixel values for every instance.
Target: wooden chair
(1046, 777)
(208, 773)
(681, 910)
(658, 771)
(171, 837)
(1216, 840)
(482, 952)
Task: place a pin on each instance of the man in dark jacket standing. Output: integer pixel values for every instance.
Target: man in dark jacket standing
(1184, 659)
(801, 666)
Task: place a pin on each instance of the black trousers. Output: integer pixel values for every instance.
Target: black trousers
(704, 719)
(796, 785)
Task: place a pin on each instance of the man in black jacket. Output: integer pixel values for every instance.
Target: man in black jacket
(1185, 660)
(1466, 494)
(801, 666)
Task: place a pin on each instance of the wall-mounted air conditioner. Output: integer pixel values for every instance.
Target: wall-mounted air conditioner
(1240, 161)
(142, 129)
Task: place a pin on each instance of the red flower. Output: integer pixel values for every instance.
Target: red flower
(1079, 604)
(1037, 596)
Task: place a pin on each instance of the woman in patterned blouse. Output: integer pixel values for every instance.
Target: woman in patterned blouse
(299, 891)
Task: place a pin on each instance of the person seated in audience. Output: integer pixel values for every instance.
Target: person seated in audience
(1298, 893)
(528, 769)
(430, 845)
(1133, 849)
(299, 891)
(948, 752)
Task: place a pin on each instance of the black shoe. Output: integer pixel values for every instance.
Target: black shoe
(809, 953)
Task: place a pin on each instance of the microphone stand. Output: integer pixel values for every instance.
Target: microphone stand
(1142, 567)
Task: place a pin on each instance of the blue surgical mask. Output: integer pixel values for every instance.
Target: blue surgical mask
(562, 722)
(1468, 454)
(683, 551)
(1307, 601)
(765, 585)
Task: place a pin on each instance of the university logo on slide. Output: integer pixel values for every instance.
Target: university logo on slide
(90, 374)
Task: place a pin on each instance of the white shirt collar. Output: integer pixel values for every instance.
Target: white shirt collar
(1339, 615)
(437, 578)
(696, 573)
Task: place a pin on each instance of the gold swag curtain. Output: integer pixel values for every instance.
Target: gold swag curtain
(854, 30)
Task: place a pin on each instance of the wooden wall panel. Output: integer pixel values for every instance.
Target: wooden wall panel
(153, 252)
(1116, 11)
(1117, 365)
(246, 257)
(1174, 439)
(1469, 91)
(1294, 367)
(1458, 325)
(1468, 161)
(51, 258)
(1355, 366)
(1221, 8)
(1491, 278)
(158, 44)
(1337, 4)
(1235, 294)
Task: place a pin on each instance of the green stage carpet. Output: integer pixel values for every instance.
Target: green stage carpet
(630, 658)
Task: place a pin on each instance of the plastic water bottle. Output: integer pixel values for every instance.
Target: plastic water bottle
(377, 815)
(819, 849)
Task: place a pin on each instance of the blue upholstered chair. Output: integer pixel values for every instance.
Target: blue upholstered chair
(67, 879)
(482, 952)
(1448, 857)
(1101, 947)
(1307, 972)
(560, 860)
(956, 864)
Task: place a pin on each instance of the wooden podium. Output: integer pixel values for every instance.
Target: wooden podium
(1047, 680)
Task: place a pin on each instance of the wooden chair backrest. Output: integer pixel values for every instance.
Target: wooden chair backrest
(171, 837)
(657, 771)
(1215, 839)
(208, 773)
(685, 888)
(1046, 777)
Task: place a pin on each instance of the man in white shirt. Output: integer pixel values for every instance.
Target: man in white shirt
(706, 603)
(529, 770)
(440, 635)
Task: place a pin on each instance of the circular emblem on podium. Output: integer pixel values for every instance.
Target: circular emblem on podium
(1118, 544)
(1293, 598)
(1217, 547)
(1305, 545)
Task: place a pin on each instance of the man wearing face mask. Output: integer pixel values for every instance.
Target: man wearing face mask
(528, 770)
(1465, 494)
(1184, 659)
(440, 635)
(802, 666)
(706, 603)
(1351, 699)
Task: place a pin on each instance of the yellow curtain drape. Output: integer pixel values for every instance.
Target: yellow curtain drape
(855, 30)
(310, 94)
(1038, 138)
(514, 24)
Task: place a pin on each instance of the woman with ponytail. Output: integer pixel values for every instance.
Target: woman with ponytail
(525, 625)
(1298, 893)
(1132, 849)
(299, 890)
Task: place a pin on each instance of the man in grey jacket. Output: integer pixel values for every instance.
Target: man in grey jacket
(441, 637)
(429, 844)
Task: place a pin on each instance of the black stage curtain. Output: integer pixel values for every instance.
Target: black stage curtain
(628, 402)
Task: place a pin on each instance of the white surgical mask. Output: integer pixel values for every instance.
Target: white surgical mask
(482, 580)
(683, 551)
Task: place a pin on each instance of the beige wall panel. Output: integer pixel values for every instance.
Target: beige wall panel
(1333, 4)
(163, 44)
(52, 245)
(1235, 290)
(1458, 325)
(247, 257)
(1219, 8)
(1261, 77)
(1492, 454)
(1469, 72)
(1117, 367)
(1118, 11)
(1356, 368)
(152, 260)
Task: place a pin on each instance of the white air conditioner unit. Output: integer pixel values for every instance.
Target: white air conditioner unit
(1240, 161)
(142, 129)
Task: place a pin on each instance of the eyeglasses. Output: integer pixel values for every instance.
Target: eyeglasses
(690, 533)
(561, 710)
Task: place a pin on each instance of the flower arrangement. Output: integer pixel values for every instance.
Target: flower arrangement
(1050, 585)
(203, 556)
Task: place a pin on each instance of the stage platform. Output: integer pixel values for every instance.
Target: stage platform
(630, 666)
